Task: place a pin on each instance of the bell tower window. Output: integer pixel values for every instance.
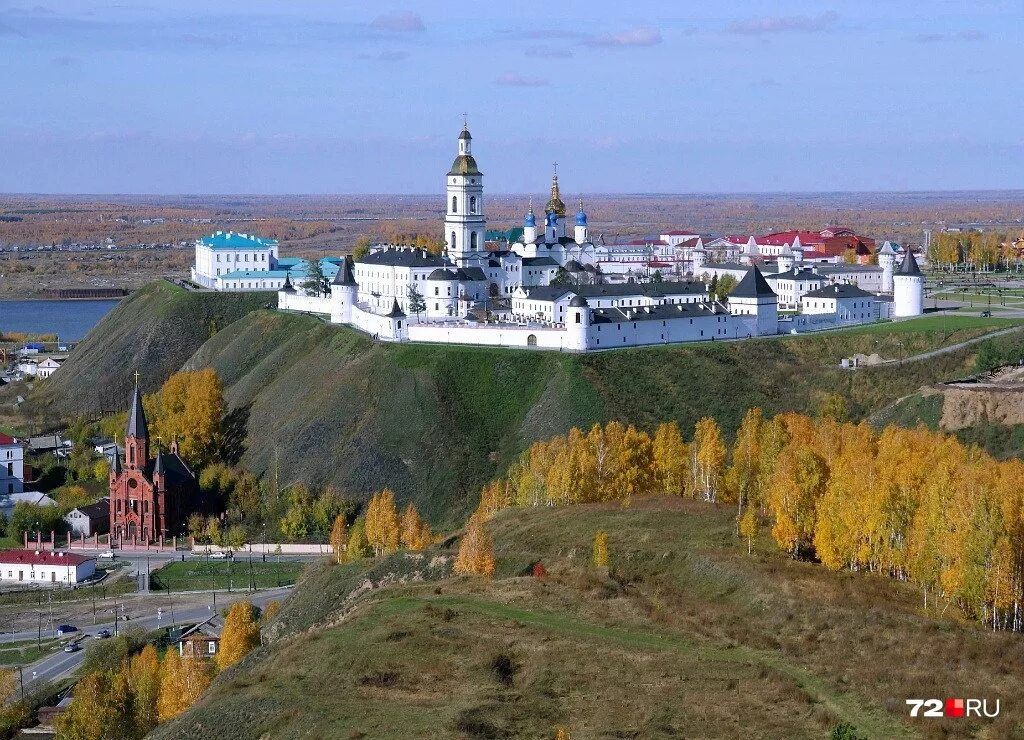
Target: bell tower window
(472, 204)
(472, 240)
(455, 204)
(453, 240)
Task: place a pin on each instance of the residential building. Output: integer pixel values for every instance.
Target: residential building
(90, 519)
(12, 465)
(45, 567)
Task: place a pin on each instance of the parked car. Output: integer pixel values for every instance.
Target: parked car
(72, 647)
(103, 634)
(218, 555)
(108, 555)
(66, 629)
(986, 314)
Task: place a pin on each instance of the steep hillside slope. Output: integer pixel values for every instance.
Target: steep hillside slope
(324, 404)
(154, 330)
(684, 636)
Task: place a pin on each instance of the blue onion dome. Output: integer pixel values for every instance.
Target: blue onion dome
(552, 218)
(581, 217)
(531, 219)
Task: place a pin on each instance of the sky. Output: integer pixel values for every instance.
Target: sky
(335, 97)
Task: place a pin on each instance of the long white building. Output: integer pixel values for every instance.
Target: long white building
(45, 567)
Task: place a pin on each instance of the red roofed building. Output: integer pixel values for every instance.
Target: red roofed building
(41, 566)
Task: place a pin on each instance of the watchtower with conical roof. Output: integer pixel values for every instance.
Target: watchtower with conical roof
(908, 287)
(464, 222)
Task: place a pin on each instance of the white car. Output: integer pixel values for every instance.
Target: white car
(108, 555)
(217, 556)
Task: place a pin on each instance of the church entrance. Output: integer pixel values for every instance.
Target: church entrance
(133, 531)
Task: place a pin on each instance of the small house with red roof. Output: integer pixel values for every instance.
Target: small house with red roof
(53, 567)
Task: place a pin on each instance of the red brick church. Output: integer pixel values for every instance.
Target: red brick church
(150, 497)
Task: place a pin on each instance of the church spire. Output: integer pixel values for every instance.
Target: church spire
(555, 204)
(137, 426)
(136, 438)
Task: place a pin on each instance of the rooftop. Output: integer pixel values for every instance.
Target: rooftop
(40, 557)
(235, 240)
(839, 290)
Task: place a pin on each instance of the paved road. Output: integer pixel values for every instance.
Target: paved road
(60, 664)
(958, 345)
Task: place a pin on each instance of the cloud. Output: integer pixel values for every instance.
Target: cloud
(555, 33)
(634, 37)
(386, 56)
(66, 60)
(548, 52)
(784, 24)
(513, 79)
(404, 22)
(931, 38)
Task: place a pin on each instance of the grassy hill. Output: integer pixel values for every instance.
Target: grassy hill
(685, 636)
(154, 330)
(322, 403)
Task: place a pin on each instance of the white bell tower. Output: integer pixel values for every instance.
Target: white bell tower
(464, 222)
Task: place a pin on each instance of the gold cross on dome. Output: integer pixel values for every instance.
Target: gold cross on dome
(136, 377)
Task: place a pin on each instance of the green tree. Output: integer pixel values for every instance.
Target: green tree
(726, 285)
(316, 282)
(417, 304)
(562, 277)
(361, 248)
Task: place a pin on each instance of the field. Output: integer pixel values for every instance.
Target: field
(238, 574)
(684, 636)
(153, 235)
(27, 651)
(326, 405)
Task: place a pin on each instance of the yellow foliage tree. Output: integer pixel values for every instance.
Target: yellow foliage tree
(601, 549)
(670, 458)
(748, 527)
(272, 608)
(381, 525)
(240, 635)
(190, 407)
(339, 538)
(171, 696)
(476, 551)
(415, 534)
(144, 681)
(708, 453)
(92, 715)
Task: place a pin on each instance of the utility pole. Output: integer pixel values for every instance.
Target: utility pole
(21, 676)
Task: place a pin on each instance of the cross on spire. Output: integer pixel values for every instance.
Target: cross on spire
(465, 120)
(136, 378)
(556, 169)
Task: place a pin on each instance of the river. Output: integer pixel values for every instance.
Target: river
(69, 320)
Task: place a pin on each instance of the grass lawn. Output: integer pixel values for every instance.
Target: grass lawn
(26, 651)
(82, 593)
(201, 575)
(934, 324)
